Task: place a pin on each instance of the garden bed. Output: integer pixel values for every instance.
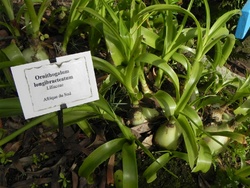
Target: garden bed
(158, 67)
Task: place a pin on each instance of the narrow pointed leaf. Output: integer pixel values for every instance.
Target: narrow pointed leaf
(10, 107)
(227, 48)
(151, 172)
(193, 116)
(129, 163)
(243, 172)
(233, 135)
(85, 127)
(166, 102)
(204, 160)
(151, 38)
(189, 139)
(29, 125)
(162, 64)
(110, 31)
(221, 21)
(98, 156)
(109, 68)
(14, 54)
(180, 58)
(243, 109)
(190, 86)
(75, 8)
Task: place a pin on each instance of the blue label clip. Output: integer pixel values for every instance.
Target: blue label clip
(244, 22)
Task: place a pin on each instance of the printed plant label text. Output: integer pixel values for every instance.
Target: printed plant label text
(43, 86)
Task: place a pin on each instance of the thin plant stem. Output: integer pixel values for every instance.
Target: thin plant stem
(9, 9)
(33, 16)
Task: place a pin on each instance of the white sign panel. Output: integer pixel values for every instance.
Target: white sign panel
(43, 86)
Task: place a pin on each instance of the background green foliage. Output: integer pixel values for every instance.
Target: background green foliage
(161, 65)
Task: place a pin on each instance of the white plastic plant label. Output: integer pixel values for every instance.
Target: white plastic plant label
(43, 86)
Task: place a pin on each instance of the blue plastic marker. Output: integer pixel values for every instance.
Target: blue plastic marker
(244, 22)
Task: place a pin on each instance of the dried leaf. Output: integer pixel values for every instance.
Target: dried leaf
(110, 171)
(12, 147)
(74, 179)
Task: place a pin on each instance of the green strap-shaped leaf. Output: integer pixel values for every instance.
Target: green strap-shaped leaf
(7, 64)
(145, 149)
(170, 31)
(8, 5)
(14, 54)
(112, 36)
(242, 91)
(185, 35)
(175, 8)
(227, 48)
(217, 54)
(42, 9)
(166, 102)
(189, 139)
(243, 174)
(111, 12)
(221, 21)
(129, 163)
(204, 160)
(218, 36)
(85, 127)
(243, 108)
(102, 104)
(118, 179)
(74, 115)
(109, 68)
(233, 135)
(107, 84)
(190, 85)
(180, 58)
(151, 172)
(151, 38)
(75, 8)
(10, 107)
(134, 71)
(193, 116)
(71, 27)
(162, 64)
(207, 100)
(29, 125)
(13, 30)
(98, 156)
